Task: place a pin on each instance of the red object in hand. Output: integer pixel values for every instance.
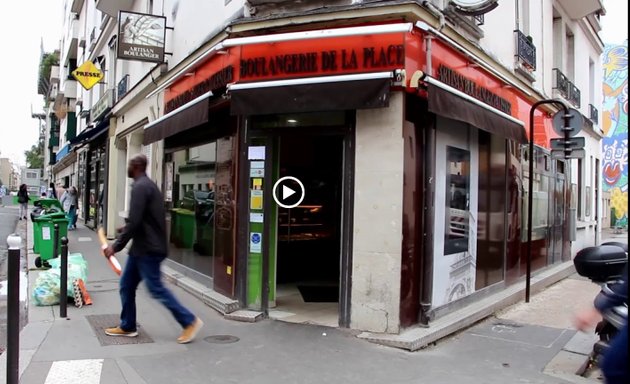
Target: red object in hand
(112, 260)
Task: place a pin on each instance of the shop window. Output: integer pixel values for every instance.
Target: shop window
(491, 222)
(189, 188)
(457, 201)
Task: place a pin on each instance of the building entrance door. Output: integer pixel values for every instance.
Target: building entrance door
(300, 252)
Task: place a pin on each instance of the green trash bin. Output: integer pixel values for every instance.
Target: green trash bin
(175, 230)
(185, 227)
(47, 203)
(51, 213)
(43, 236)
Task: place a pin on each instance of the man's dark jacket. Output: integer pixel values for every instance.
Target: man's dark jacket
(146, 222)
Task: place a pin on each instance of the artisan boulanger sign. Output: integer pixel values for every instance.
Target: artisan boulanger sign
(141, 36)
(216, 81)
(327, 61)
(469, 87)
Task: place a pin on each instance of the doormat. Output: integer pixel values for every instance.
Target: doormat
(319, 292)
(100, 322)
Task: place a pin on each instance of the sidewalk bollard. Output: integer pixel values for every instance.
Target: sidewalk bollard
(14, 242)
(55, 251)
(63, 291)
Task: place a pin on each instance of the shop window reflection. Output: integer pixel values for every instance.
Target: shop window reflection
(190, 192)
(457, 200)
(491, 223)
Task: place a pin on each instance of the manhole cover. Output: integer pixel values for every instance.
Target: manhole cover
(222, 339)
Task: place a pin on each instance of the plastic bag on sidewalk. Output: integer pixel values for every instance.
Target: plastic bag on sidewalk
(46, 290)
(48, 283)
(75, 261)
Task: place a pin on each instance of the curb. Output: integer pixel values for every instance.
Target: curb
(573, 360)
(211, 298)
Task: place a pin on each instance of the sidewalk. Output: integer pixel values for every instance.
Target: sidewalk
(521, 344)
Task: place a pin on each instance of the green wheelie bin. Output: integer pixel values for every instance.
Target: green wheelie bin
(47, 203)
(43, 235)
(183, 228)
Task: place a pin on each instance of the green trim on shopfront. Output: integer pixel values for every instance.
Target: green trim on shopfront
(255, 260)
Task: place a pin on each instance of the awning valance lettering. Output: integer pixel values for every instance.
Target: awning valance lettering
(91, 134)
(449, 102)
(188, 116)
(326, 93)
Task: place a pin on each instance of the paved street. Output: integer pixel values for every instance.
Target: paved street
(8, 220)
(526, 343)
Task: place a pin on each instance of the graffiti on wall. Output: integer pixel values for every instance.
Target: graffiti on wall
(615, 126)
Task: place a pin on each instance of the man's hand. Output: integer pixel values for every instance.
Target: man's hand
(586, 319)
(109, 251)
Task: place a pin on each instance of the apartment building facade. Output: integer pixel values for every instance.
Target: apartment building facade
(8, 176)
(405, 121)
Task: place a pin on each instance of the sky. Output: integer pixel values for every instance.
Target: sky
(42, 19)
(615, 22)
(20, 42)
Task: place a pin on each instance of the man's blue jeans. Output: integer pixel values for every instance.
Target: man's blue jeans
(147, 268)
(615, 360)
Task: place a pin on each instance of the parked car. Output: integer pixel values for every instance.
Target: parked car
(200, 202)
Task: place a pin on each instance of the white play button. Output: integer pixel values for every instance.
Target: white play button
(287, 192)
(292, 192)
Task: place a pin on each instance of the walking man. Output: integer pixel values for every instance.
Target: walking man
(146, 225)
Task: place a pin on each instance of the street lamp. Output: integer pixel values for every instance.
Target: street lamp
(530, 194)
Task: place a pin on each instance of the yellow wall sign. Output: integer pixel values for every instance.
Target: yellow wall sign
(88, 75)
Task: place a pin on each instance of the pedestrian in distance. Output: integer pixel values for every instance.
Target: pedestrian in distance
(614, 364)
(22, 198)
(70, 201)
(146, 225)
(52, 191)
(3, 193)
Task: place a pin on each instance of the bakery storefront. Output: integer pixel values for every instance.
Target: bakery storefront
(93, 170)
(397, 151)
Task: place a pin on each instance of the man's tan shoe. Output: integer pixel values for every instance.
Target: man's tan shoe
(117, 331)
(190, 332)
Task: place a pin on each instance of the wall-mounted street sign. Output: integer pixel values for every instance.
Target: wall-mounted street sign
(575, 123)
(573, 154)
(573, 143)
(141, 36)
(87, 75)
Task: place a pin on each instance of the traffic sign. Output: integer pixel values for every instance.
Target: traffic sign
(573, 143)
(573, 154)
(575, 123)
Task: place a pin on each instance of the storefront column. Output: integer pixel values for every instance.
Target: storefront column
(134, 147)
(378, 198)
(115, 186)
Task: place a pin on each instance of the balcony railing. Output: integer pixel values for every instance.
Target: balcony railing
(566, 88)
(561, 83)
(574, 95)
(525, 51)
(593, 113)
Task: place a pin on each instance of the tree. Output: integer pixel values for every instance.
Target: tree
(48, 60)
(35, 155)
